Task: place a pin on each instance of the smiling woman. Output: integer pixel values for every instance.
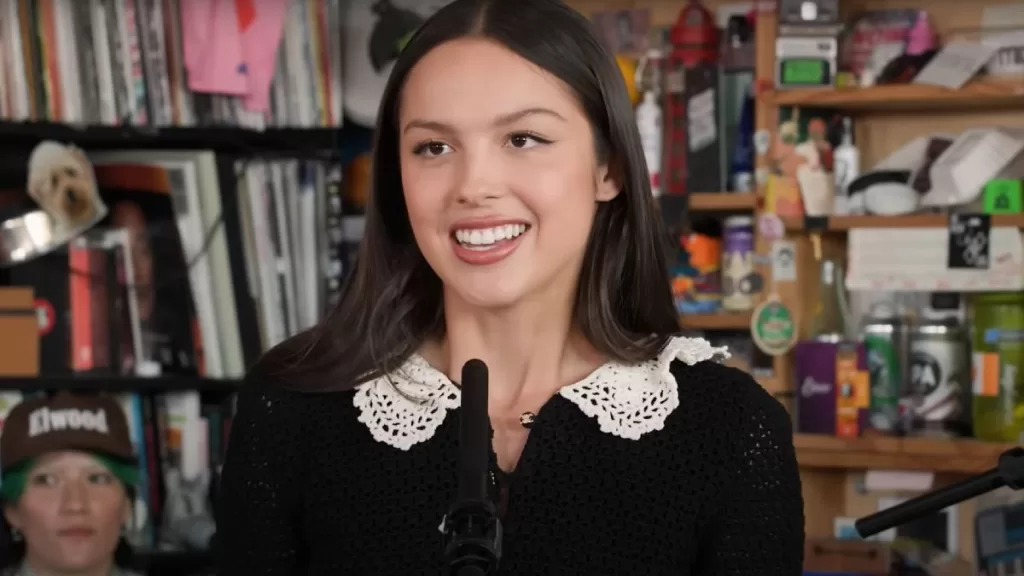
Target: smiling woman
(513, 149)
(510, 221)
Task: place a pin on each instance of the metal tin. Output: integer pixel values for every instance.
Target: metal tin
(887, 348)
(940, 371)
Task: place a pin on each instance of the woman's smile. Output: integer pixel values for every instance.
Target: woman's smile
(486, 242)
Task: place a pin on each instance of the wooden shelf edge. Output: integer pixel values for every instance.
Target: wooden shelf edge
(982, 93)
(957, 456)
(713, 201)
(716, 321)
(846, 223)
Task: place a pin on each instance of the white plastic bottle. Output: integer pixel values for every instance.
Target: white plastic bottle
(649, 122)
(846, 165)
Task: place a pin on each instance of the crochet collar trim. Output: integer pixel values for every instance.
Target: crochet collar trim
(405, 407)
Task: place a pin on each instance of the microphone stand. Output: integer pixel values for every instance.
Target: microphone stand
(1009, 472)
(472, 530)
(472, 538)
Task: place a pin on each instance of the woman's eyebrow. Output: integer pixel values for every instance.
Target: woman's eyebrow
(503, 120)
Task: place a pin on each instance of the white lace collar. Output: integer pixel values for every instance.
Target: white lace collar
(405, 407)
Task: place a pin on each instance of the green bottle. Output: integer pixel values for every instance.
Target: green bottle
(997, 366)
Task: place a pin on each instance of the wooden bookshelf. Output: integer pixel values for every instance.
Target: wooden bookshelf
(845, 223)
(954, 456)
(722, 201)
(982, 95)
(718, 321)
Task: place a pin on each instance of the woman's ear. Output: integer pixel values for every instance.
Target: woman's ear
(12, 516)
(609, 181)
(129, 508)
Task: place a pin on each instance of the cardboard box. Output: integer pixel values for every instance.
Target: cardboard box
(19, 332)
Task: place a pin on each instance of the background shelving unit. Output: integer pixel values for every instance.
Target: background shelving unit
(885, 118)
(225, 139)
(981, 94)
(818, 452)
(846, 223)
(719, 321)
(722, 202)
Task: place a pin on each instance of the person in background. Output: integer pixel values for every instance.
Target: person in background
(510, 220)
(68, 471)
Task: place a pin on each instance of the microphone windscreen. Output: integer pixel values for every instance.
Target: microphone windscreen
(475, 432)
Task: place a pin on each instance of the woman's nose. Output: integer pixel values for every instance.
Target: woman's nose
(74, 497)
(479, 178)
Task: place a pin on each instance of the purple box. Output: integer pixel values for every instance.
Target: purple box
(815, 373)
(815, 376)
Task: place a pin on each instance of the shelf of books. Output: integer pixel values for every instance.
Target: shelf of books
(216, 226)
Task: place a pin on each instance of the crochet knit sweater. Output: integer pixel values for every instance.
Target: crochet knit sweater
(675, 466)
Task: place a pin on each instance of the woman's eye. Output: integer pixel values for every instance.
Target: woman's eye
(524, 141)
(100, 478)
(44, 480)
(431, 149)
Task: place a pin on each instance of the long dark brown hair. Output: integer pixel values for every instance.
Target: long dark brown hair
(392, 301)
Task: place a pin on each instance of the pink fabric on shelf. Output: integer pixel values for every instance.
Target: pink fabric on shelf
(213, 45)
(261, 37)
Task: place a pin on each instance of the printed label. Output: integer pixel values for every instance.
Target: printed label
(985, 374)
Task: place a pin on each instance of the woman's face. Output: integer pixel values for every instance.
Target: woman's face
(499, 172)
(70, 513)
(129, 216)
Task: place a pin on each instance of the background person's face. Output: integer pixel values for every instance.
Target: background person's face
(499, 173)
(70, 513)
(129, 216)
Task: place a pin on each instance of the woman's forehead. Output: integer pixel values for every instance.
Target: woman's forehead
(66, 459)
(472, 77)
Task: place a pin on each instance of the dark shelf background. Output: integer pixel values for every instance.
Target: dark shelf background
(225, 139)
(210, 388)
(159, 563)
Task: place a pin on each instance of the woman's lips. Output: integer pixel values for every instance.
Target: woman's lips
(76, 532)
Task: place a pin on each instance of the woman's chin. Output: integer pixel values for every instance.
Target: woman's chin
(490, 296)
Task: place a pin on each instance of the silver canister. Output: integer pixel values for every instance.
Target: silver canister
(940, 378)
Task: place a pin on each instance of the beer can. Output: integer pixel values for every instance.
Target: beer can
(740, 283)
(940, 378)
(886, 347)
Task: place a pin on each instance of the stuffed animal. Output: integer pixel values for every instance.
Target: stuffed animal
(62, 182)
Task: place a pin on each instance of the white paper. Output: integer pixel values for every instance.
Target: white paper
(955, 64)
(783, 261)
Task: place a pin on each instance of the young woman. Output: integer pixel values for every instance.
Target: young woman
(510, 221)
(67, 475)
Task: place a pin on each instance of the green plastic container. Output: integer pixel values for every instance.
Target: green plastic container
(997, 366)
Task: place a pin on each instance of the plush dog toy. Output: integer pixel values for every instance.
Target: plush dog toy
(62, 182)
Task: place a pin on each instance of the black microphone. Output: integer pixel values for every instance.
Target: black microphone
(471, 527)
(1009, 472)
(474, 432)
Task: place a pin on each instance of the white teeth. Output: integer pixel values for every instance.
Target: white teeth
(488, 236)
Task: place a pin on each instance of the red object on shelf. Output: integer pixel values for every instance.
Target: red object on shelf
(693, 42)
(695, 37)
